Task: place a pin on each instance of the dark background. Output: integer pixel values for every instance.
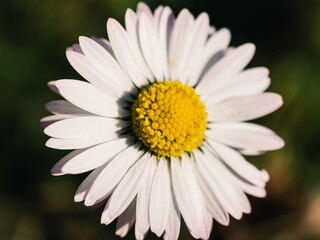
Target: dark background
(33, 37)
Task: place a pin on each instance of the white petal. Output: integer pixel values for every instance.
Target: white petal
(85, 186)
(248, 82)
(131, 22)
(112, 174)
(217, 43)
(65, 107)
(245, 135)
(160, 198)
(139, 235)
(228, 194)
(85, 160)
(216, 209)
(194, 47)
(143, 198)
(150, 47)
(126, 220)
(238, 164)
(208, 222)
(166, 23)
(46, 121)
(239, 182)
(89, 98)
(253, 190)
(250, 152)
(178, 42)
(251, 187)
(82, 127)
(213, 205)
(87, 69)
(113, 74)
(245, 108)
(157, 14)
(172, 229)
(127, 54)
(220, 188)
(105, 44)
(188, 196)
(125, 192)
(226, 68)
(78, 143)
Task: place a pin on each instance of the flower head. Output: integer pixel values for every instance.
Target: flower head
(160, 123)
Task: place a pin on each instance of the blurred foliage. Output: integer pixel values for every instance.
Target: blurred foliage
(33, 37)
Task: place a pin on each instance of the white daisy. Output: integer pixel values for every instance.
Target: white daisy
(160, 123)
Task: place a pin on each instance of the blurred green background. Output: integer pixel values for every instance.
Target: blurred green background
(33, 37)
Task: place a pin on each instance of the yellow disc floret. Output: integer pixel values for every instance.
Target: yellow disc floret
(169, 118)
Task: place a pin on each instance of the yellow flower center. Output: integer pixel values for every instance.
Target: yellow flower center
(169, 118)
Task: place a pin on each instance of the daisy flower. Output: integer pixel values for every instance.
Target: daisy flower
(161, 123)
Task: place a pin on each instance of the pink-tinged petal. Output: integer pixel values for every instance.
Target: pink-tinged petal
(244, 135)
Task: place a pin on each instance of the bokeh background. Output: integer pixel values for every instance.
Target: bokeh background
(33, 36)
